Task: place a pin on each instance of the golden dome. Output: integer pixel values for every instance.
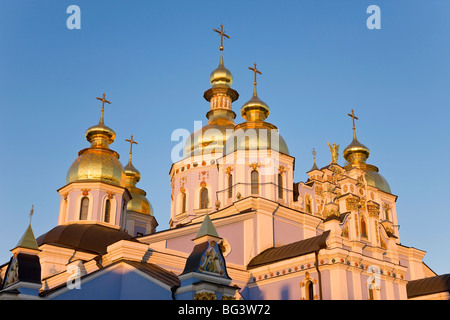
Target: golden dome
(356, 155)
(374, 179)
(255, 109)
(257, 138)
(138, 202)
(221, 75)
(98, 163)
(208, 140)
(356, 152)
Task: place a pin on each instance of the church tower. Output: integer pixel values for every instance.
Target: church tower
(95, 189)
(256, 158)
(194, 178)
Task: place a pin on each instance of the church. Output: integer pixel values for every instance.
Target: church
(241, 228)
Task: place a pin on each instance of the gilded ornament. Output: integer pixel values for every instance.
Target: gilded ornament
(205, 296)
(334, 152)
(254, 165)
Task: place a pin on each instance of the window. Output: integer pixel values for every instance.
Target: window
(363, 228)
(280, 186)
(230, 186)
(255, 182)
(183, 202)
(107, 210)
(84, 208)
(309, 290)
(204, 201)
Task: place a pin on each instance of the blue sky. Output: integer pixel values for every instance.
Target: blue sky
(153, 60)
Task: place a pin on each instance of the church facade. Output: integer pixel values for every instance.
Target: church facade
(240, 228)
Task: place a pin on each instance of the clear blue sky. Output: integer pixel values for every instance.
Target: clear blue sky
(153, 60)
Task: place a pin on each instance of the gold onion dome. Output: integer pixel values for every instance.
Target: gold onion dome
(221, 75)
(138, 203)
(98, 162)
(210, 139)
(356, 155)
(255, 133)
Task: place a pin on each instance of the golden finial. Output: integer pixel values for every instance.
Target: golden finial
(353, 118)
(131, 141)
(314, 167)
(103, 100)
(255, 71)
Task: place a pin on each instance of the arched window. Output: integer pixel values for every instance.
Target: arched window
(308, 204)
(183, 202)
(230, 185)
(280, 186)
(107, 210)
(84, 208)
(363, 228)
(309, 290)
(255, 182)
(204, 201)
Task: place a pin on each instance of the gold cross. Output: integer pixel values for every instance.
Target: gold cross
(353, 118)
(255, 71)
(131, 141)
(103, 100)
(222, 34)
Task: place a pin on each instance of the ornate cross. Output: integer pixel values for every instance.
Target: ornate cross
(222, 34)
(103, 100)
(131, 141)
(353, 119)
(255, 71)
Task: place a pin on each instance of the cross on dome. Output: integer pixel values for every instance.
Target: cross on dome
(352, 115)
(222, 34)
(255, 71)
(131, 141)
(103, 100)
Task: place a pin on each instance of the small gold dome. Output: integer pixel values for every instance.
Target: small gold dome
(139, 202)
(221, 75)
(98, 163)
(255, 109)
(356, 152)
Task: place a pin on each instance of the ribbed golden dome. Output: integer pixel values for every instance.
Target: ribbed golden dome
(259, 138)
(98, 163)
(212, 137)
